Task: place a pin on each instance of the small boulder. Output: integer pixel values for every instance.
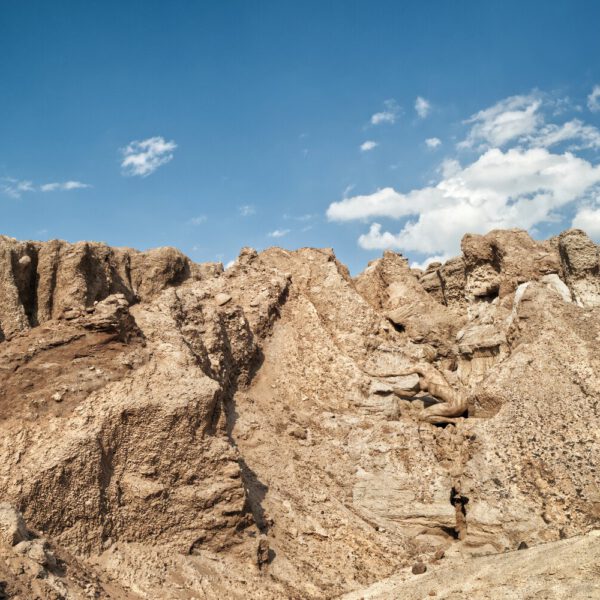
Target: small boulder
(12, 526)
(222, 299)
(38, 551)
(419, 568)
(298, 432)
(25, 261)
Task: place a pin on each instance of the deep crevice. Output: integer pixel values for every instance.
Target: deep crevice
(459, 502)
(397, 326)
(451, 531)
(26, 280)
(490, 295)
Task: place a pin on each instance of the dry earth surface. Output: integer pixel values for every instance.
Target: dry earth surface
(173, 430)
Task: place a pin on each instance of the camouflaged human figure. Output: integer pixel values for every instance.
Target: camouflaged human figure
(453, 402)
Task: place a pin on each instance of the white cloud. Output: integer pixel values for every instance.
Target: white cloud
(507, 120)
(422, 106)
(278, 233)
(517, 180)
(64, 186)
(588, 219)
(368, 145)
(375, 240)
(198, 220)
(383, 202)
(433, 142)
(593, 100)
(15, 187)
(348, 189)
(516, 188)
(246, 210)
(449, 167)
(143, 157)
(520, 119)
(388, 115)
(584, 136)
(441, 258)
(301, 218)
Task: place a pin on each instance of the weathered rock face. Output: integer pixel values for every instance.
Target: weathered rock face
(581, 266)
(393, 289)
(554, 571)
(32, 567)
(42, 281)
(193, 432)
(492, 266)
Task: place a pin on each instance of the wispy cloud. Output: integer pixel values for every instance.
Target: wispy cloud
(582, 135)
(198, 220)
(388, 115)
(246, 210)
(15, 188)
(278, 233)
(423, 107)
(433, 142)
(300, 218)
(503, 122)
(368, 146)
(593, 100)
(143, 157)
(522, 120)
(64, 186)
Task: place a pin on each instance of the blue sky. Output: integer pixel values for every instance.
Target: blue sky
(214, 125)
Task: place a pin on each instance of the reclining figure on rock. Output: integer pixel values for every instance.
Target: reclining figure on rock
(452, 403)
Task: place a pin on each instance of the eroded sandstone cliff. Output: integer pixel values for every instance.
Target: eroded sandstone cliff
(176, 430)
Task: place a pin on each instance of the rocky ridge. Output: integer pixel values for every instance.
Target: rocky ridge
(178, 430)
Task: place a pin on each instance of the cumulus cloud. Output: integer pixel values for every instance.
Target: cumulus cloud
(198, 220)
(515, 188)
(593, 100)
(440, 258)
(368, 145)
(507, 120)
(423, 107)
(433, 142)
(527, 171)
(278, 233)
(388, 115)
(588, 219)
(14, 188)
(143, 157)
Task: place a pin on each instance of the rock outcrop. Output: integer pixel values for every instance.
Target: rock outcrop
(43, 281)
(177, 430)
